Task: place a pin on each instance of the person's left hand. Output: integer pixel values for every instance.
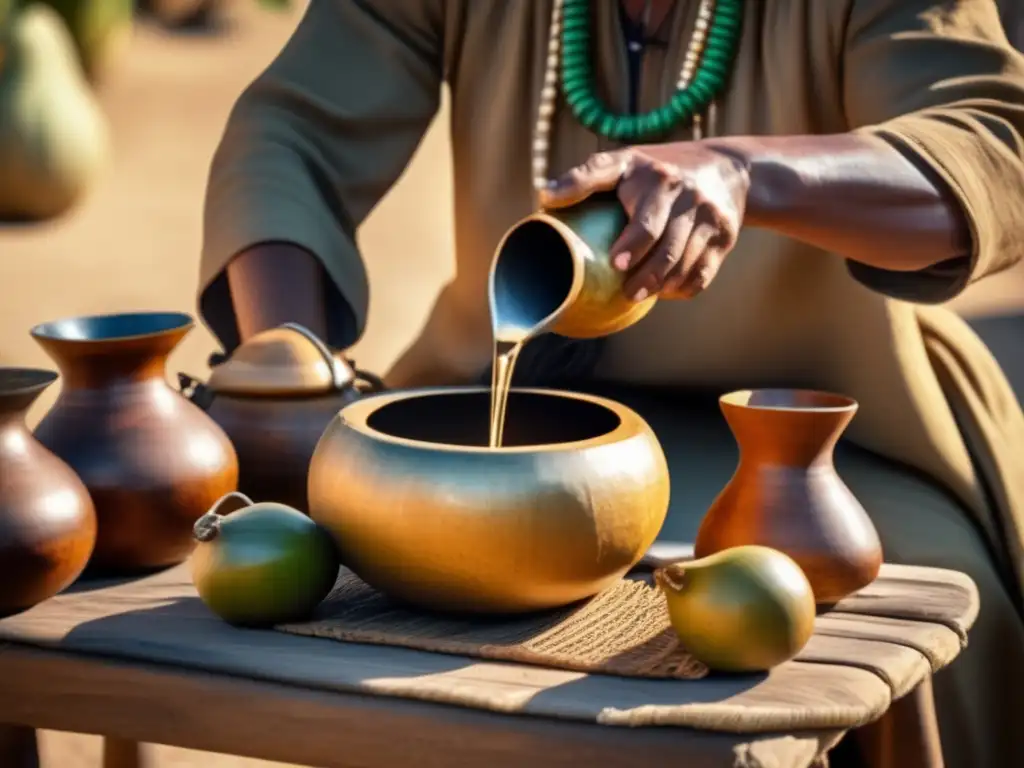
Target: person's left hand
(685, 203)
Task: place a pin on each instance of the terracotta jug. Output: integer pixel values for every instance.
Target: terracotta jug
(47, 521)
(786, 493)
(274, 396)
(152, 461)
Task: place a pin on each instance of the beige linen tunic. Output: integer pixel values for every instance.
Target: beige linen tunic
(320, 136)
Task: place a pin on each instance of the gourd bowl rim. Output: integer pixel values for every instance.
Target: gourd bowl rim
(355, 416)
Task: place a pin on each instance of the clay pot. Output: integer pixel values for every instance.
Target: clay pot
(552, 271)
(786, 493)
(152, 461)
(47, 521)
(423, 510)
(274, 397)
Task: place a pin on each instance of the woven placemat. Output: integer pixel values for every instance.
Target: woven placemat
(623, 631)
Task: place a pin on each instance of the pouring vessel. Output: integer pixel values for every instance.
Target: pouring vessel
(553, 272)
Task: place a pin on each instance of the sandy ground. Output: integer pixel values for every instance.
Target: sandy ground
(134, 243)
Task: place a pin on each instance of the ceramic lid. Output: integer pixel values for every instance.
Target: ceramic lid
(285, 361)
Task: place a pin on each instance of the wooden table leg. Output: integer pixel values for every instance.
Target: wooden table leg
(118, 753)
(18, 747)
(907, 736)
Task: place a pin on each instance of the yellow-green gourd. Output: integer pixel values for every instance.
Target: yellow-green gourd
(256, 565)
(54, 138)
(744, 609)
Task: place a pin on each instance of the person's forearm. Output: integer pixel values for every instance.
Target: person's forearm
(853, 195)
(276, 283)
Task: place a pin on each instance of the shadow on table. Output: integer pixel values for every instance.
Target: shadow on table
(92, 581)
(181, 632)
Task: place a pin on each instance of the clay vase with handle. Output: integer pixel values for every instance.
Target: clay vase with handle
(47, 520)
(152, 461)
(274, 396)
(786, 493)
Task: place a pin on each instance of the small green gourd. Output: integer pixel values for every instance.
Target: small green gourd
(256, 565)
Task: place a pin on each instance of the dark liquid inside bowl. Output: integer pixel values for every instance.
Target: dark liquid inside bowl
(461, 418)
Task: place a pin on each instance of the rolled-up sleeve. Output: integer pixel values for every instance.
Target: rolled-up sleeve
(317, 140)
(940, 81)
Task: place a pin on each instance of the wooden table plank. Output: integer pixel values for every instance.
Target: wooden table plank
(936, 642)
(900, 666)
(913, 592)
(159, 619)
(854, 672)
(273, 721)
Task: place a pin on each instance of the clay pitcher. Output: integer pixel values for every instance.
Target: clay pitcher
(786, 493)
(47, 521)
(274, 396)
(552, 271)
(152, 461)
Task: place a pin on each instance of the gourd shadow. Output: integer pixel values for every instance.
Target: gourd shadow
(94, 579)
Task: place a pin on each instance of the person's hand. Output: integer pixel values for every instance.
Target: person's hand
(685, 203)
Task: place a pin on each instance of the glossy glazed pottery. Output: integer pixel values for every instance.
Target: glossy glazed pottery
(552, 272)
(152, 461)
(273, 398)
(786, 493)
(47, 521)
(421, 509)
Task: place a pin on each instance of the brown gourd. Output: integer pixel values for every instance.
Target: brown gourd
(54, 139)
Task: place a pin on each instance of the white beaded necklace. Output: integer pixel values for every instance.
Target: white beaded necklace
(549, 89)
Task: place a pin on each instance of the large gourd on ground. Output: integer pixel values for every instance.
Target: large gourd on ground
(100, 29)
(54, 139)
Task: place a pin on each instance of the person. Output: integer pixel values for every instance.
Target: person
(806, 182)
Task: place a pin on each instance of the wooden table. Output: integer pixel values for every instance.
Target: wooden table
(143, 661)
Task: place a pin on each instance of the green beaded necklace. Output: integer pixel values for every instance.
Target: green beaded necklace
(690, 99)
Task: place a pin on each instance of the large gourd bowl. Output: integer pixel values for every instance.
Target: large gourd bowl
(423, 511)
